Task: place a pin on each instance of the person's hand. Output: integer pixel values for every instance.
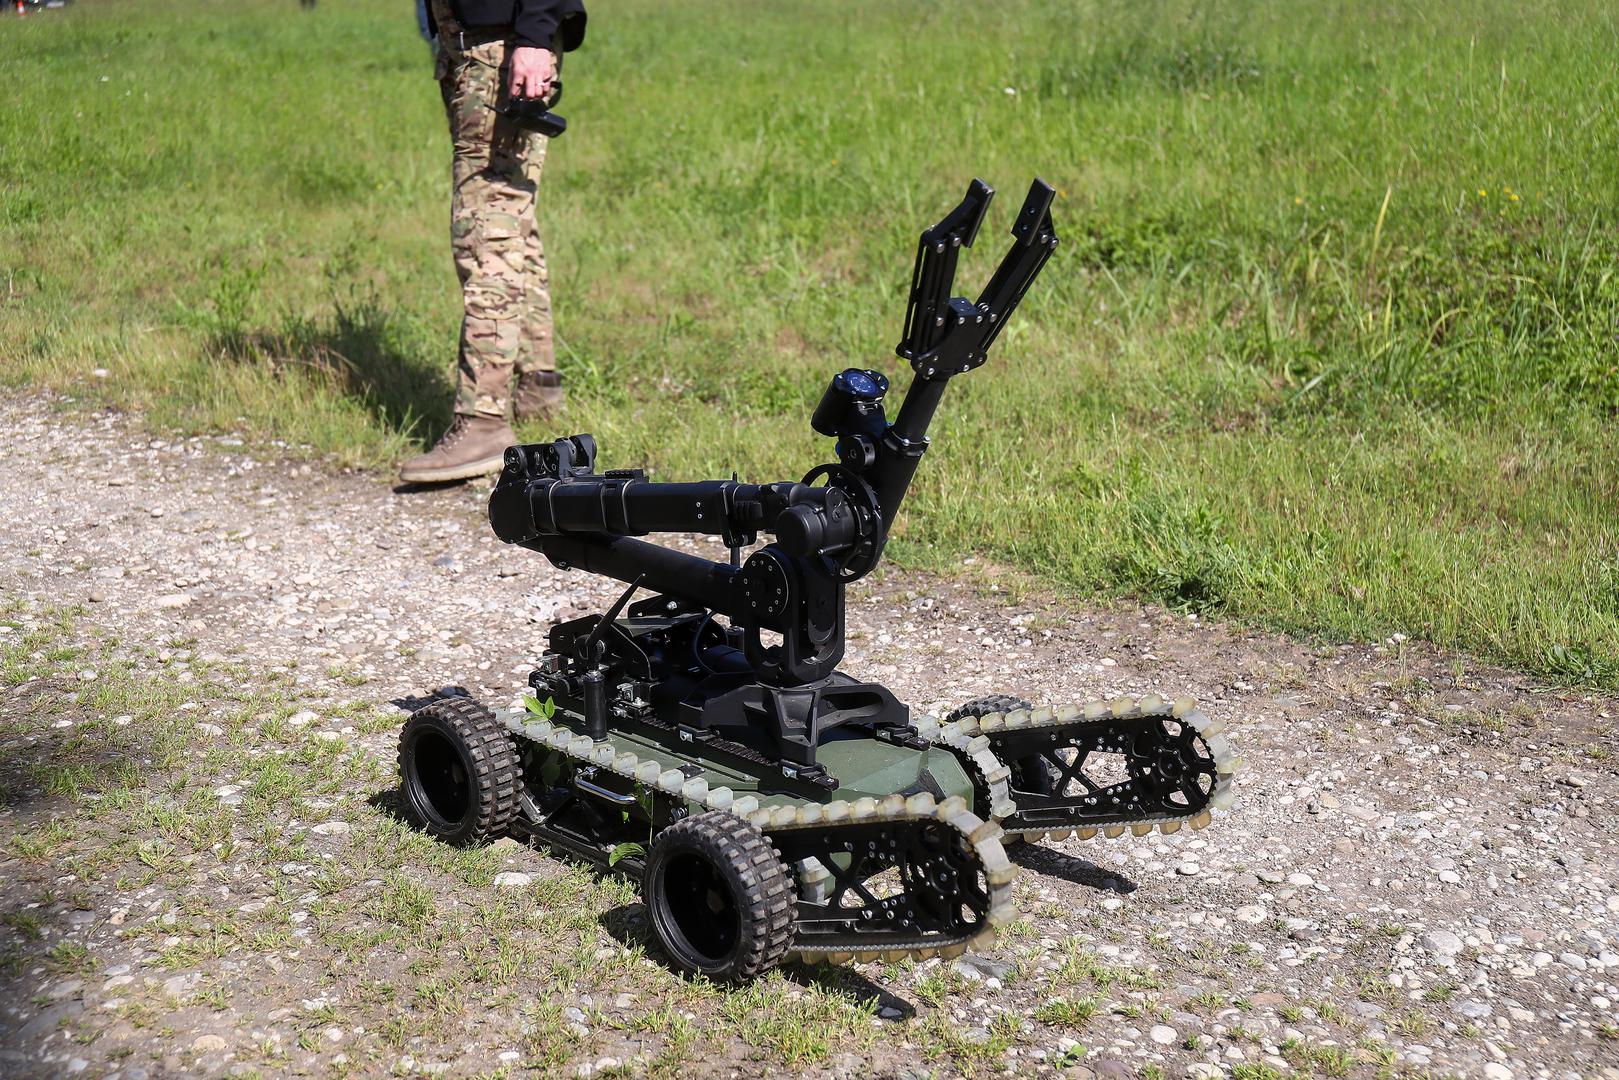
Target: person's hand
(532, 72)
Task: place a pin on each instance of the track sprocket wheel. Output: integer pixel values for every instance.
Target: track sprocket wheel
(1033, 773)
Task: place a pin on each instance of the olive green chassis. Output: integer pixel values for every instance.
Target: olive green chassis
(907, 859)
(631, 784)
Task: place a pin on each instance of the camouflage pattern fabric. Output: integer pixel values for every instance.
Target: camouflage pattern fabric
(493, 234)
(540, 351)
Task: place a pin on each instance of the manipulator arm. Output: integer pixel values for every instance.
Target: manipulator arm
(551, 490)
(928, 317)
(947, 335)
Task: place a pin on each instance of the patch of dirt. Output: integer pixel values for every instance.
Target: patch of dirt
(1420, 876)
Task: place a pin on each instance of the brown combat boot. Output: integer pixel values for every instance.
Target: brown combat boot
(538, 395)
(474, 446)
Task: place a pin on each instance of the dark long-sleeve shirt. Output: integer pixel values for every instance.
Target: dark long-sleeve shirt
(558, 25)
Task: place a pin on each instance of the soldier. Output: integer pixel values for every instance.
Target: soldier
(489, 50)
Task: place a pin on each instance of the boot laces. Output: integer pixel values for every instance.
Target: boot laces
(458, 428)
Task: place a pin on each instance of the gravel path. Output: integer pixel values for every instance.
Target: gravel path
(1420, 875)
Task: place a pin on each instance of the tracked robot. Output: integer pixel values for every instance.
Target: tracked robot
(701, 734)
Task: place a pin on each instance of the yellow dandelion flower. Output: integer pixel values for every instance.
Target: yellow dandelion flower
(1514, 196)
(1298, 201)
(1482, 193)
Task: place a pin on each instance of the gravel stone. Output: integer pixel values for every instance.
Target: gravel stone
(1442, 943)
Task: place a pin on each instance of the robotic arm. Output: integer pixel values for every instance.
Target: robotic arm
(829, 527)
(945, 336)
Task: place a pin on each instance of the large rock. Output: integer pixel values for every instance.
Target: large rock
(1443, 944)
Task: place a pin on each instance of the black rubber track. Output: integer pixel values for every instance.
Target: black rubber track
(1033, 774)
(459, 737)
(753, 931)
(983, 706)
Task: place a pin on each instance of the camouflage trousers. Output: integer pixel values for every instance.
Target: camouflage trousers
(505, 292)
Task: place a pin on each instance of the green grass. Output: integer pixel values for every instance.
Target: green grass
(1330, 344)
(1061, 1011)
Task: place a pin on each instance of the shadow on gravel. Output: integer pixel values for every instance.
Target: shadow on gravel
(427, 489)
(626, 924)
(417, 701)
(387, 804)
(1060, 864)
(849, 983)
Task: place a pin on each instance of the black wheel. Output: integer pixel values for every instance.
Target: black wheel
(1033, 774)
(721, 901)
(458, 770)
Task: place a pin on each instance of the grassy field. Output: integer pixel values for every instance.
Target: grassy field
(1330, 345)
